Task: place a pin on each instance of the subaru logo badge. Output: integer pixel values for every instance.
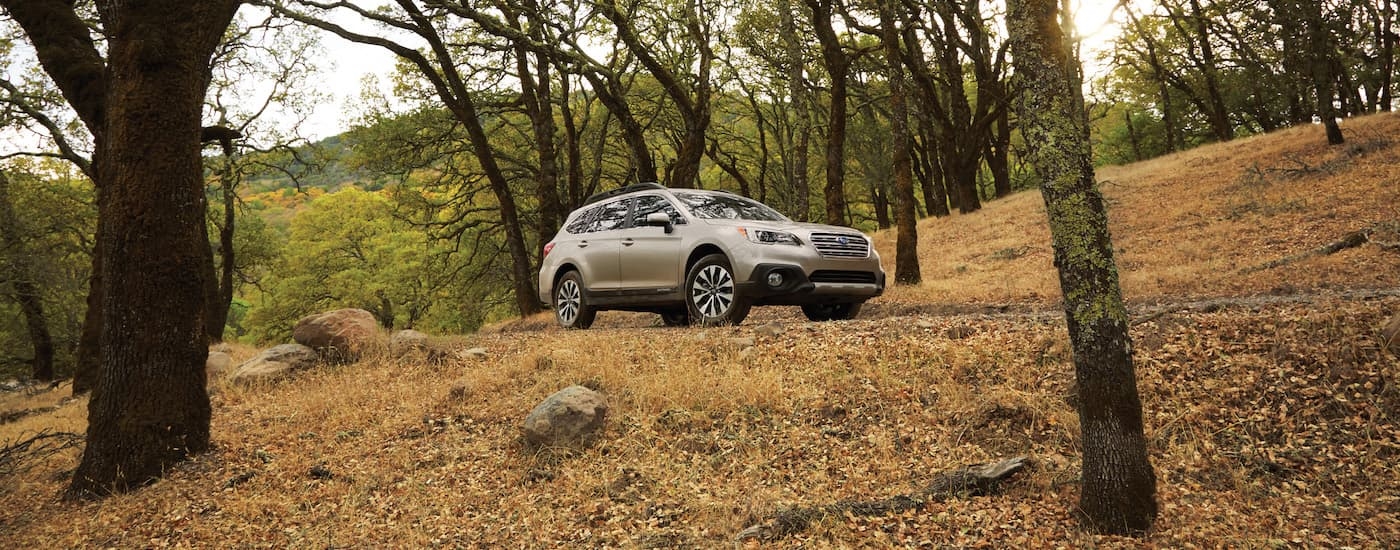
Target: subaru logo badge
(843, 240)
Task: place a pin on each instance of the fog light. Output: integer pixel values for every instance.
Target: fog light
(775, 279)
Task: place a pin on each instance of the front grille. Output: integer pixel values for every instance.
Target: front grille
(832, 276)
(841, 245)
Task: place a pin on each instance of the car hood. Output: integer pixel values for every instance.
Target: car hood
(800, 229)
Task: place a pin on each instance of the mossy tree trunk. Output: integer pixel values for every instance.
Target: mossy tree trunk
(906, 264)
(1118, 484)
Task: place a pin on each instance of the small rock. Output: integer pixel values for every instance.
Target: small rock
(959, 332)
(407, 341)
(238, 479)
(570, 418)
(320, 471)
(478, 354)
(743, 342)
(274, 363)
(924, 324)
(459, 390)
(1390, 335)
(11, 385)
(772, 329)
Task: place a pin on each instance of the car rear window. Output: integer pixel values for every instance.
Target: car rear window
(718, 206)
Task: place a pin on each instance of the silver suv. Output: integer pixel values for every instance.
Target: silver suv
(701, 257)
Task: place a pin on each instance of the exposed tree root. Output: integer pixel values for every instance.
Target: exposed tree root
(981, 479)
(1350, 240)
(17, 457)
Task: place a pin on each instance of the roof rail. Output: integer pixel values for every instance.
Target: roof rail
(621, 190)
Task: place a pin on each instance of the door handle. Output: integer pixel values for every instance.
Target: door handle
(583, 244)
(628, 242)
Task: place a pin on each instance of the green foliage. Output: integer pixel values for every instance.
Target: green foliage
(55, 225)
(350, 249)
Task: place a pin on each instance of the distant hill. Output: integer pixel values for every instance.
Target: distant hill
(1229, 219)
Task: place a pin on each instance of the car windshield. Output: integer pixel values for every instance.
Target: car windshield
(720, 206)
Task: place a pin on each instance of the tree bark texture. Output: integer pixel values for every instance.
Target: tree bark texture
(149, 407)
(906, 270)
(1118, 484)
(838, 64)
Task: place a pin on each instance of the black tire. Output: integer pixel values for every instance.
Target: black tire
(571, 307)
(712, 293)
(832, 312)
(679, 317)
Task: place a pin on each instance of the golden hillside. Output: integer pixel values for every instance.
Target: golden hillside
(1271, 414)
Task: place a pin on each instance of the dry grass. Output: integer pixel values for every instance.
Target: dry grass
(1269, 425)
(1188, 224)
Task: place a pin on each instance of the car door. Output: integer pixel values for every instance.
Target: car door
(651, 256)
(599, 247)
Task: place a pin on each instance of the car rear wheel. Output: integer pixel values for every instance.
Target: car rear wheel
(832, 312)
(679, 317)
(712, 295)
(571, 307)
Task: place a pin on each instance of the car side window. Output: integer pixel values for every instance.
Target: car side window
(650, 204)
(584, 220)
(610, 216)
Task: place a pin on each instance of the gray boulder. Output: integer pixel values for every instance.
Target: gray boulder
(569, 419)
(217, 364)
(407, 341)
(340, 335)
(275, 363)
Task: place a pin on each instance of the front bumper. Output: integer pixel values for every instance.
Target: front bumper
(796, 286)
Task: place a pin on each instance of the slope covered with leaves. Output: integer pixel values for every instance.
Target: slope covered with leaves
(1270, 403)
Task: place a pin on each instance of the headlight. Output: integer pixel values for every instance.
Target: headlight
(764, 236)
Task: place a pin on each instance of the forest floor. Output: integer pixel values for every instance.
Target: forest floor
(1269, 399)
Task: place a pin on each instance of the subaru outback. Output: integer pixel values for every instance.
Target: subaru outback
(701, 257)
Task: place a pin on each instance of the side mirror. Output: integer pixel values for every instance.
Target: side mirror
(660, 219)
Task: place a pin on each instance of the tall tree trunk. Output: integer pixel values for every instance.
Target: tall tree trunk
(999, 154)
(537, 98)
(1320, 61)
(800, 105)
(612, 94)
(573, 150)
(1218, 114)
(931, 177)
(88, 361)
(218, 294)
(27, 294)
(906, 270)
(695, 110)
(1118, 485)
(838, 64)
(150, 408)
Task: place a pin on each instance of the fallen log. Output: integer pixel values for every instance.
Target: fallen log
(976, 480)
(1350, 240)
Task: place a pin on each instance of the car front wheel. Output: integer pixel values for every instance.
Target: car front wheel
(831, 312)
(571, 307)
(712, 295)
